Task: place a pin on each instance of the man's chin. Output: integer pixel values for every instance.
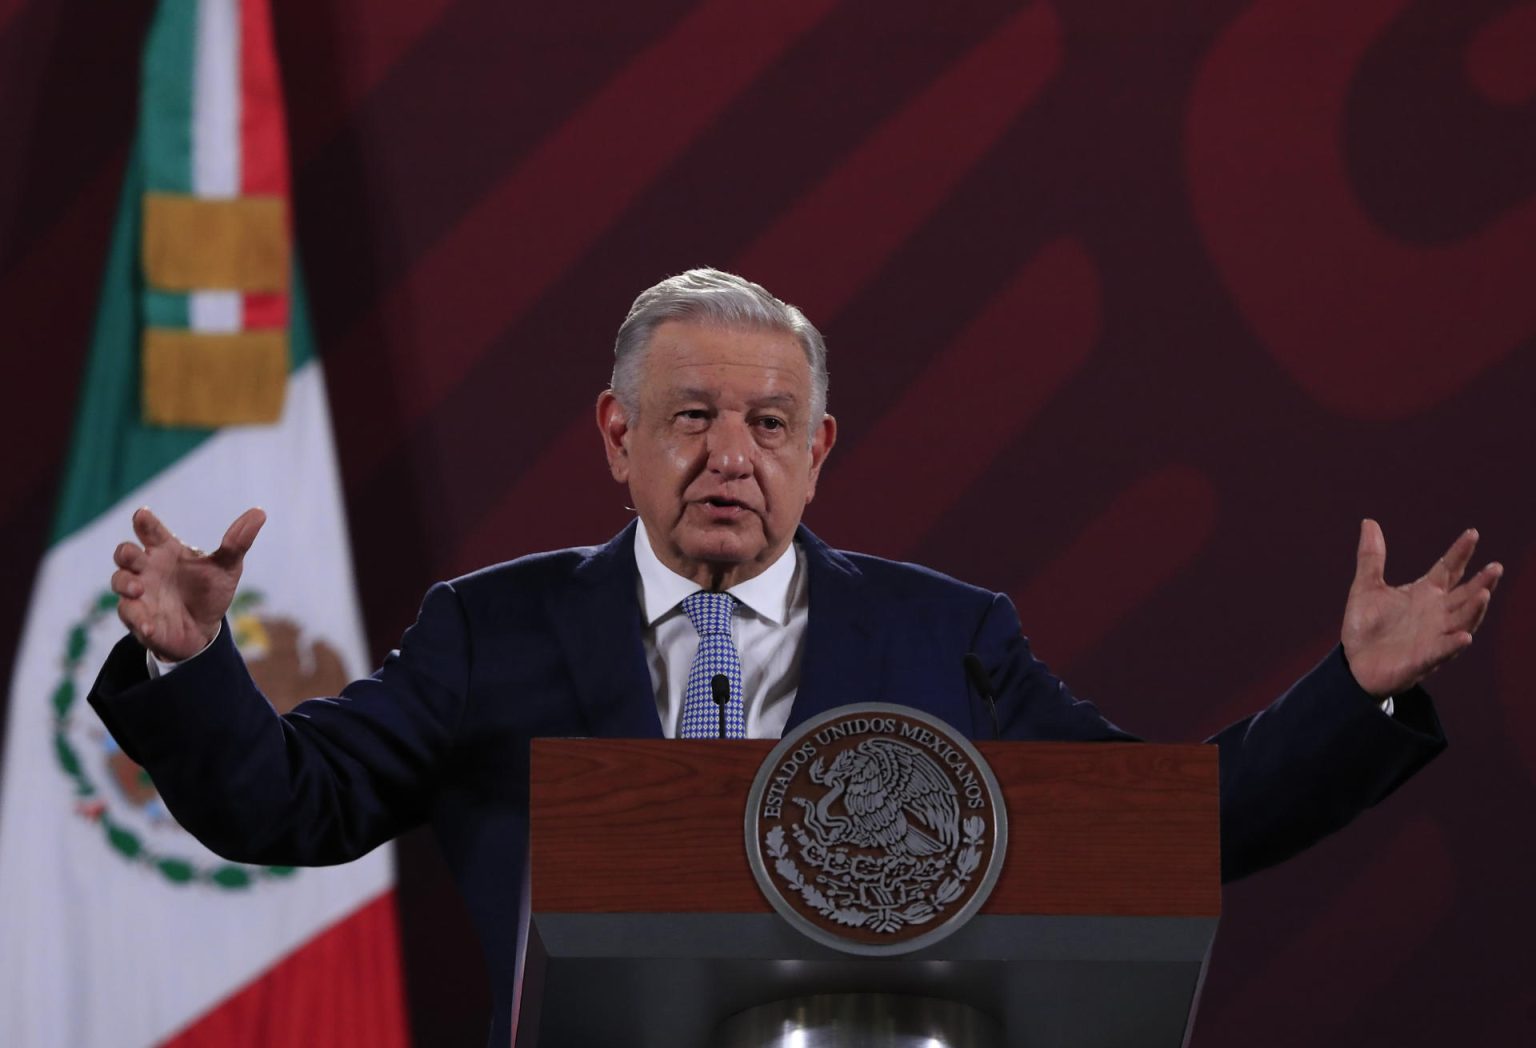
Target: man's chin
(723, 554)
(718, 551)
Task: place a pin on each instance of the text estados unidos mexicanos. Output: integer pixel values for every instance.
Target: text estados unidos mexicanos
(953, 758)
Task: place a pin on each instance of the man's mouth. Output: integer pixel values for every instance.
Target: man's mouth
(720, 507)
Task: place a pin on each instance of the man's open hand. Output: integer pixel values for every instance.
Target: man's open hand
(1395, 636)
(175, 596)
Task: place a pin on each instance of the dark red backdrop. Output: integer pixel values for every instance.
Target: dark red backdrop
(1135, 310)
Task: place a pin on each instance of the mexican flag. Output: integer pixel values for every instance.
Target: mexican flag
(202, 396)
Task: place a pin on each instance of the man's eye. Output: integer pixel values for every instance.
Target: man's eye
(693, 415)
(769, 422)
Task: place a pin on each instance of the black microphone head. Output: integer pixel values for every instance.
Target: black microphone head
(720, 688)
(983, 685)
(978, 674)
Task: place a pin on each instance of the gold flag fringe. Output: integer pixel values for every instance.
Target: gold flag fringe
(194, 378)
(199, 244)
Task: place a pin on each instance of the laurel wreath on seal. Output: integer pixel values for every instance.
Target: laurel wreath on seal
(883, 919)
(88, 799)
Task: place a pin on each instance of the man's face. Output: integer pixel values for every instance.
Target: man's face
(717, 457)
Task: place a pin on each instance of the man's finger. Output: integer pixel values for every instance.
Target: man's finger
(1438, 653)
(1449, 569)
(126, 584)
(1451, 645)
(1489, 577)
(148, 528)
(132, 614)
(1470, 614)
(1485, 581)
(127, 555)
(241, 534)
(1371, 556)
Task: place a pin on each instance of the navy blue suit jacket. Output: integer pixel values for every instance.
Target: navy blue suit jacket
(550, 645)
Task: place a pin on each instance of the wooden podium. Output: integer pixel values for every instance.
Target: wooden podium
(647, 928)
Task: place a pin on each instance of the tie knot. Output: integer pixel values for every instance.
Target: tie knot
(710, 613)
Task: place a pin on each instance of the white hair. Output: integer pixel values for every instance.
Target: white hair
(713, 297)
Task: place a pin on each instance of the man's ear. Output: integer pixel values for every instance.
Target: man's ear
(613, 424)
(821, 446)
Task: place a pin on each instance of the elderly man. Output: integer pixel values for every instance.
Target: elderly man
(716, 422)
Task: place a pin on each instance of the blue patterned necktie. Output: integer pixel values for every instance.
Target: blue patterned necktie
(711, 614)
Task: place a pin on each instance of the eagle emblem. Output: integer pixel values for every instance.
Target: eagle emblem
(895, 798)
(877, 826)
(115, 794)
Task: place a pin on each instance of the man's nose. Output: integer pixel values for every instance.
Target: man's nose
(730, 448)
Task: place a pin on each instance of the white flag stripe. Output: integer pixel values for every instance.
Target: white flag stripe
(99, 950)
(216, 155)
(216, 311)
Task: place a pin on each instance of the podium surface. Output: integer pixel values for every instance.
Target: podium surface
(647, 926)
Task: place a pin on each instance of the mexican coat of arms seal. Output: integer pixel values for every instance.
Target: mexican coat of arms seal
(875, 829)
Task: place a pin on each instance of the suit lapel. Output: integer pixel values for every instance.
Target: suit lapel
(597, 619)
(840, 663)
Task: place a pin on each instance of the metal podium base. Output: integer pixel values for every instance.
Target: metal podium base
(669, 980)
(859, 1020)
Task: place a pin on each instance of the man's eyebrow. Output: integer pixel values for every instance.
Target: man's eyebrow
(784, 399)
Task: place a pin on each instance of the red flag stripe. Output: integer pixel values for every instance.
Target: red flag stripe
(263, 134)
(266, 309)
(342, 987)
(263, 138)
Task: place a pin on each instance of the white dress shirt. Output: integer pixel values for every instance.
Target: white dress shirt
(768, 628)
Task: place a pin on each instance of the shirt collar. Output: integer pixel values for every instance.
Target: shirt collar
(662, 589)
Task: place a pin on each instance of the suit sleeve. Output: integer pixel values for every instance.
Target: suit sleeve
(1291, 774)
(323, 784)
(1312, 760)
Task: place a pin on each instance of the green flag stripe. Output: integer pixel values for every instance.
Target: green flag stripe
(112, 451)
(165, 101)
(167, 309)
(301, 340)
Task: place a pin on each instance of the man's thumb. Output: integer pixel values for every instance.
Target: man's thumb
(1371, 556)
(241, 534)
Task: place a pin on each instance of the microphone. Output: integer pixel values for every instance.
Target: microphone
(720, 690)
(983, 685)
